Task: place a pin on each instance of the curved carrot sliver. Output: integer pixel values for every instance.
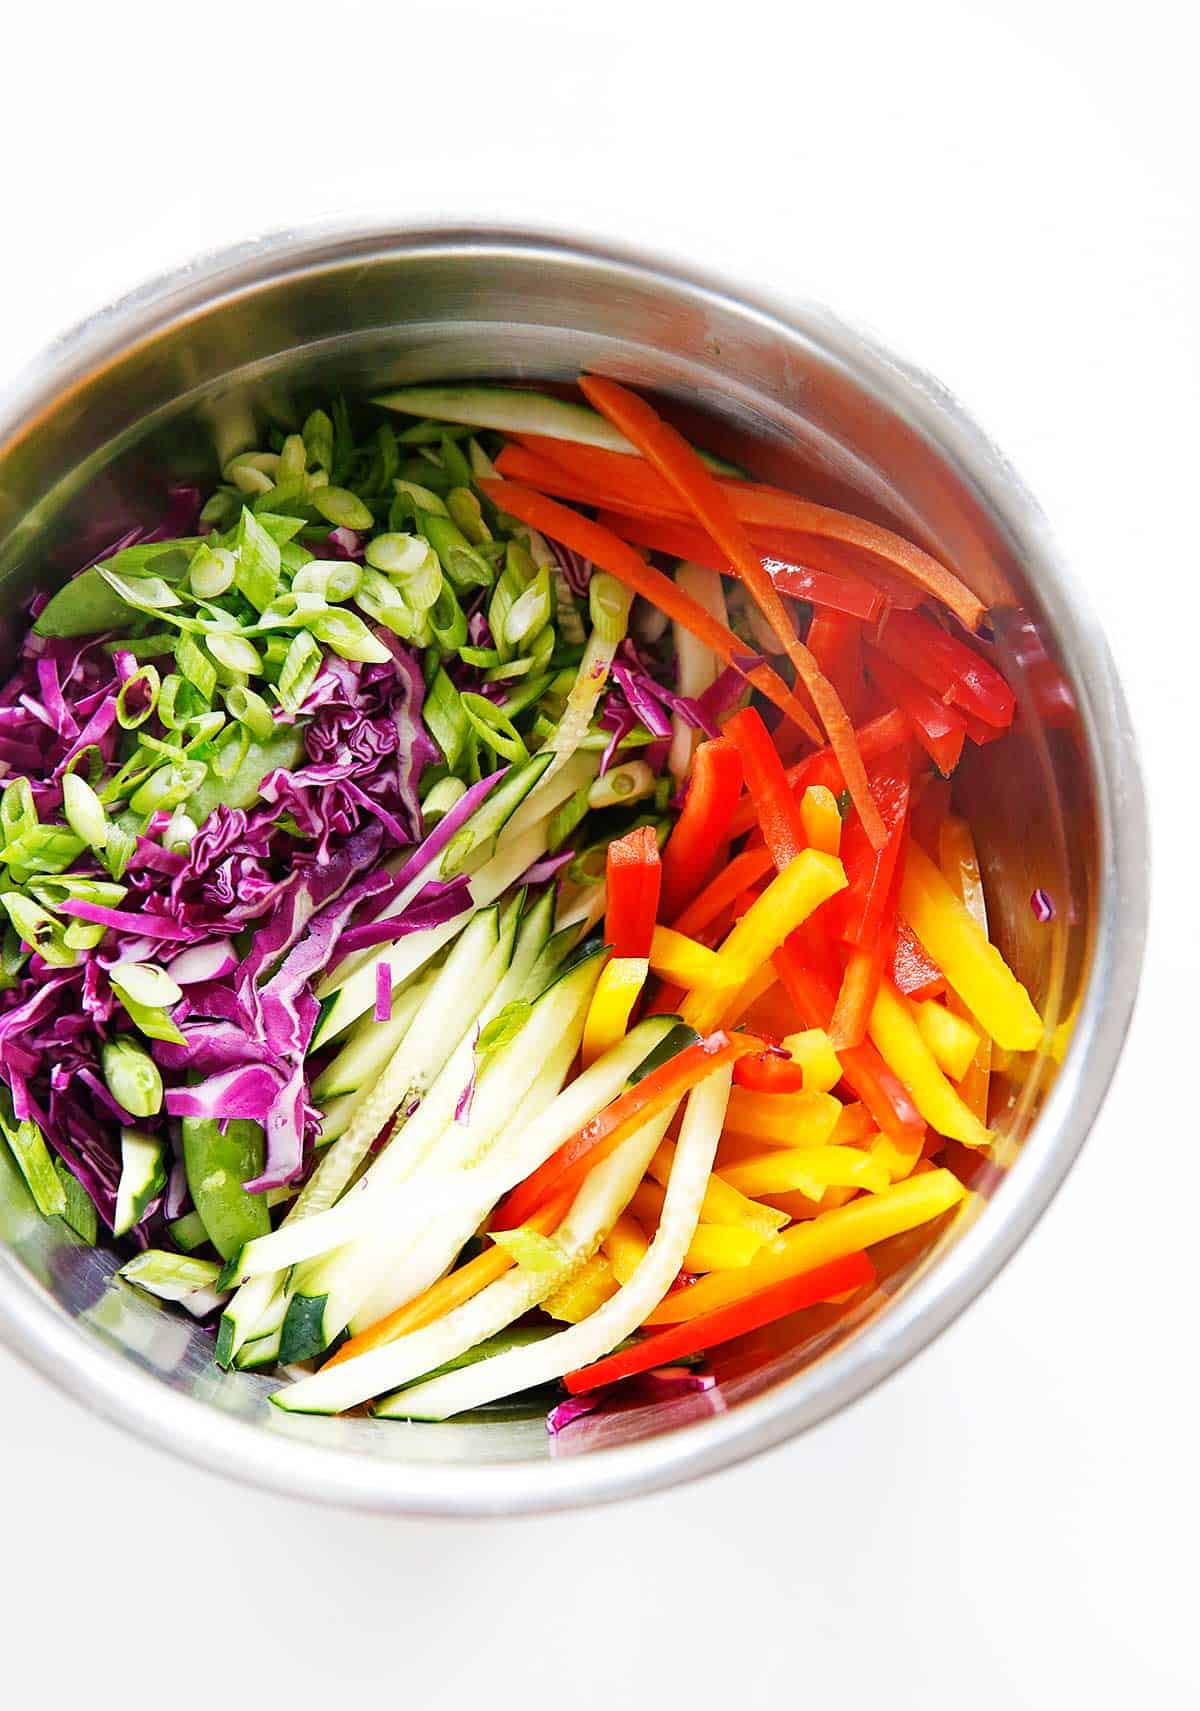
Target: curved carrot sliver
(675, 459)
(620, 560)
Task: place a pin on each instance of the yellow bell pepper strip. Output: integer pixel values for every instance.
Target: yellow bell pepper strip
(829, 1236)
(744, 1313)
(450, 1291)
(720, 1247)
(625, 1247)
(951, 1039)
(813, 1051)
(807, 1170)
(580, 1296)
(960, 947)
(683, 961)
(900, 1044)
(802, 886)
(617, 991)
(898, 1158)
(959, 862)
(721, 1204)
(822, 818)
(783, 1119)
(664, 1086)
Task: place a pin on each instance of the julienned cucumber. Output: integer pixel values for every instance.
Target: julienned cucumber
(143, 1178)
(217, 1165)
(511, 410)
(370, 1045)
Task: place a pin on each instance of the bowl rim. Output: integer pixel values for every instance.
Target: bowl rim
(35, 1328)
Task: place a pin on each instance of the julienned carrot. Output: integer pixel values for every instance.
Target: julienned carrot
(589, 1146)
(774, 508)
(620, 560)
(728, 885)
(841, 592)
(451, 1291)
(875, 738)
(735, 1319)
(695, 484)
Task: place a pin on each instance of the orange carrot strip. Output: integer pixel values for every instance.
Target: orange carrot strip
(675, 459)
(621, 561)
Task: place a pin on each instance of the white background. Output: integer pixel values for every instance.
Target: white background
(1002, 192)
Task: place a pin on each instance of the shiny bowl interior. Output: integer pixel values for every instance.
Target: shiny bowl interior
(161, 386)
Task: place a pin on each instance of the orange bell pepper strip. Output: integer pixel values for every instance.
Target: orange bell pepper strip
(840, 591)
(450, 1291)
(721, 1204)
(972, 965)
(683, 469)
(638, 488)
(633, 874)
(723, 891)
(764, 1307)
(822, 819)
(620, 560)
(829, 1236)
(675, 957)
(714, 786)
(949, 668)
(902, 1046)
(783, 1119)
(939, 729)
(597, 1139)
(875, 738)
(864, 1071)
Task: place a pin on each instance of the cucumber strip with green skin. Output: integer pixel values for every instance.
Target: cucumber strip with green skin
(256, 1309)
(370, 1045)
(217, 1165)
(172, 1277)
(462, 1336)
(188, 1233)
(28, 1147)
(551, 791)
(409, 955)
(143, 1178)
(512, 410)
(262, 1352)
(476, 964)
(598, 1334)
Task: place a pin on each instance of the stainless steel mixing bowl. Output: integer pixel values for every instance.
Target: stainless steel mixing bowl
(158, 385)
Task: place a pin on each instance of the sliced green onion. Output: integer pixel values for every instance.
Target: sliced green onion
(453, 461)
(144, 983)
(129, 721)
(444, 718)
(152, 646)
(494, 727)
(211, 572)
(383, 602)
(233, 652)
(300, 666)
(42, 849)
(481, 463)
(78, 1212)
(195, 665)
(84, 811)
(251, 710)
(132, 1077)
(318, 440)
(466, 511)
(227, 761)
(83, 935)
(530, 612)
(258, 560)
(348, 636)
(628, 783)
(169, 786)
(18, 813)
(608, 605)
(293, 459)
(28, 1145)
(94, 757)
(204, 728)
(117, 851)
(153, 1022)
(438, 803)
(461, 563)
(486, 659)
(252, 472)
(332, 579)
(179, 831)
(413, 499)
(51, 889)
(143, 593)
(39, 929)
(345, 510)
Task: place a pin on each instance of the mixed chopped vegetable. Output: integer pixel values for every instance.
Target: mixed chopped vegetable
(485, 914)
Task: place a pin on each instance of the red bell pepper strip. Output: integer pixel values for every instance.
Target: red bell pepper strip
(938, 728)
(723, 891)
(639, 488)
(835, 642)
(706, 1330)
(633, 874)
(888, 731)
(776, 808)
(710, 504)
(663, 1087)
(864, 911)
(930, 805)
(703, 824)
(620, 560)
(768, 1072)
(953, 671)
(913, 970)
(864, 1071)
(842, 591)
